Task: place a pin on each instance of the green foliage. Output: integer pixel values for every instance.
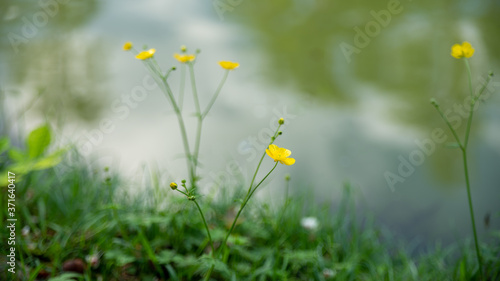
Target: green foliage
(81, 214)
(38, 140)
(33, 159)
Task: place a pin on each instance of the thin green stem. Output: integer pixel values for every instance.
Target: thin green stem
(255, 188)
(199, 125)
(206, 227)
(216, 94)
(448, 124)
(466, 169)
(469, 74)
(243, 206)
(469, 123)
(262, 158)
(182, 86)
(471, 210)
(249, 192)
(285, 205)
(185, 193)
(481, 91)
(207, 276)
(193, 85)
(472, 103)
(167, 91)
(247, 197)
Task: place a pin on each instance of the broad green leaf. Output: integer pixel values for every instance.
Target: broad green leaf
(21, 168)
(4, 180)
(4, 144)
(49, 161)
(165, 257)
(38, 141)
(17, 155)
(119, 257)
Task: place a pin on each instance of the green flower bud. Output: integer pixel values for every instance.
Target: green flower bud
(191, 198)
(281, 121)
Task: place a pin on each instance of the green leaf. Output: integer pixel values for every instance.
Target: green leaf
(38, 141)
(4, 144)
(49, 161)
(66, 277)
(165, 257)
(17, 155)
(119, 256)
(23, 167)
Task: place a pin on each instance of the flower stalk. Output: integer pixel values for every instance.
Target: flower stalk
(464, 52)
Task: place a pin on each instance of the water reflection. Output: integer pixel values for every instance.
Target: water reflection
(397, 51)
(42, 54)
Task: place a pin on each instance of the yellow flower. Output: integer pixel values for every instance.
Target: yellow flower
(145, 54)
(127, 46)
(184, 58)
(462, 51)
(229, 65)
(280, 154)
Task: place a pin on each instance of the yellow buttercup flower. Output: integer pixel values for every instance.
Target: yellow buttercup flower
(145, 54)
(280, 154)
(462, 51)
(127, 46)
(184, 58)
(229, 65)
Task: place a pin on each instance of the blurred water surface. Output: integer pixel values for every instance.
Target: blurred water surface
(353, 80)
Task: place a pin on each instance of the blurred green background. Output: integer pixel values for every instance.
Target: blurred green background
(349, 118)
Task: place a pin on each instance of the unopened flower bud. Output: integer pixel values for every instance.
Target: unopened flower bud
(191, 198)
(281, 121)
(280, 133)
(183, 48)
(127, 46)
(434, 102)
(183, 181)
(173, 185)
(287, 177)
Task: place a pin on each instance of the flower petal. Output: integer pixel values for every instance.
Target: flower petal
(467, 49)
(269, 153)
(288, 161)
(456, 51)
(273, 148)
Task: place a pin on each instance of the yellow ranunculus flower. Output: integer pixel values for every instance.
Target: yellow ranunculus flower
(145, 54)
(280, 154)
(127, 46)
(229, 65)
(184, 58)
(462, 51)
